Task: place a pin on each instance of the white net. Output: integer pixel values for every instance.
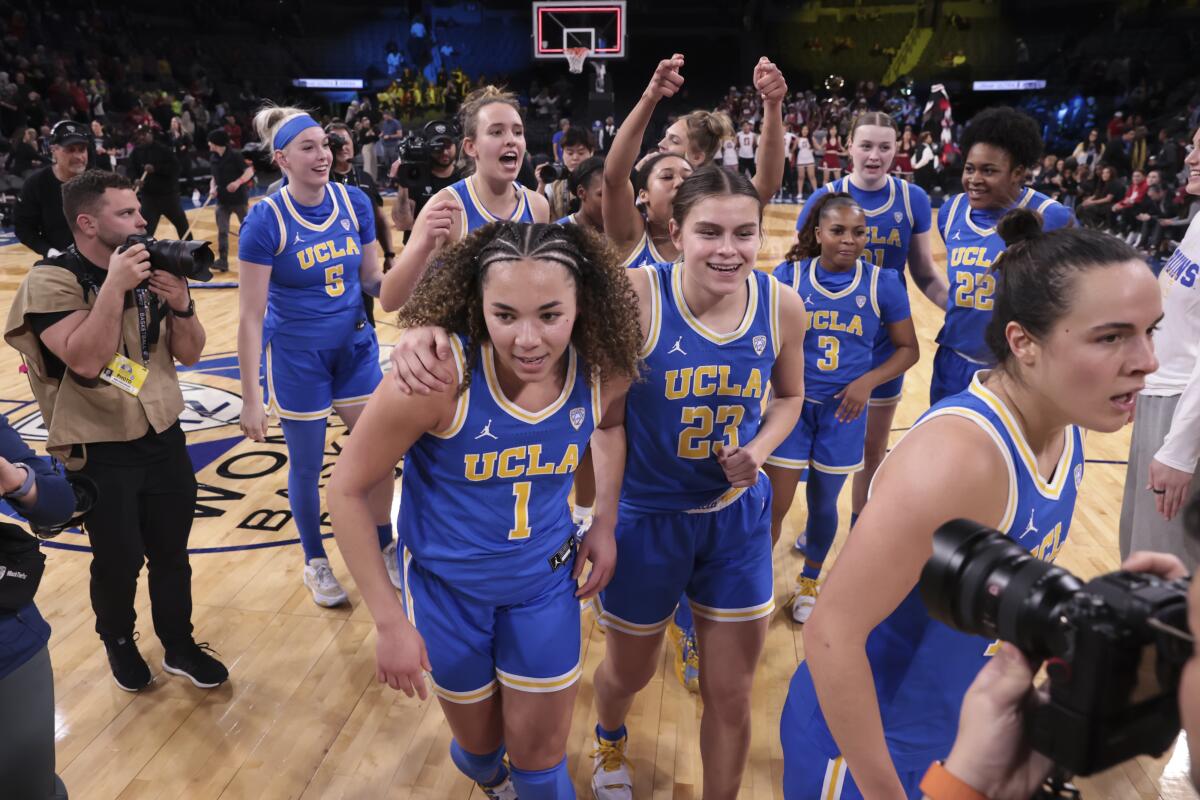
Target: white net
(575, 57)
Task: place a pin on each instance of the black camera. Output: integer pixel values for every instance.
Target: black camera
(186, 259)
(549, 173)
(86, 493)
(336, 141)
(1113, 647)
(416, 150)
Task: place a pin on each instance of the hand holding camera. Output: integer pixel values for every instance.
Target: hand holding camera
(128, 267)
(549, 173)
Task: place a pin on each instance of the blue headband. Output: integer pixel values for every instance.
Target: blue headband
(292, 128)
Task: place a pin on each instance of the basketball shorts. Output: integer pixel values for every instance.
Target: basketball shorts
(531, 646)
(720, 557)
(819, 441)
(952, 373)
(309, 384)
(810, 774)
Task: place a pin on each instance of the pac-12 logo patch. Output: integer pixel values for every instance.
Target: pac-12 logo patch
(760, 344)
(1078, 475)
(896, 215)
(861, 301)
(576, 417)
(345, 224)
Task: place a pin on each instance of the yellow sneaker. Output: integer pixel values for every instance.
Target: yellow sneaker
(610, 771)
(687, 657)
(804, 599)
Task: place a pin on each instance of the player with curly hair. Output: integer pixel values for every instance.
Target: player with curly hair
(544, 335)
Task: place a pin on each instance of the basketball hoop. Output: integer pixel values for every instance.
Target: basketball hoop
(575, 57)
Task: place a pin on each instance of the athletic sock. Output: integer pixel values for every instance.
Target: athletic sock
(610, 736)
(487, 770)
(385, 534)
(544, 784)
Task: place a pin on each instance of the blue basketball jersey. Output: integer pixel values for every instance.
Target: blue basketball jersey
(644, 254)
(921, 667)
(701, 390)
(475, 215)
(894, 213)
(972, 245)
(314, 299)
(569, 219)
(847, 312)
(485, 501)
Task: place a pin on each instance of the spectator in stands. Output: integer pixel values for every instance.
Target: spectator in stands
(39, 221)
(1116, 153)
(1042, 177)
(1101, 193)
(1088, 152)
(366, 140)
(606, 135)
(234, 130)
(154, 165)
(925, 163)
(1157, 208)
(26, 155)
(181, 145)
(231, 177)
(390, 134)
(1169, 156)
(1116, 125)
(556, 150)
(104, 152)
(1125, 209)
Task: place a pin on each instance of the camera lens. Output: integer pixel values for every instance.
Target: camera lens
(187, 259)
(982, 582)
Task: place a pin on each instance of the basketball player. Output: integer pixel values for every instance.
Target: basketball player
(307, 251)
(494, 141)
(544, 336)
(879, 695)
(699, 136)
(849, 302)
(694, 512)
(1001, 146)
(898, 223)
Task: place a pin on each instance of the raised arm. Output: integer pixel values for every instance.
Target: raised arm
(772, 88)
(622, 220)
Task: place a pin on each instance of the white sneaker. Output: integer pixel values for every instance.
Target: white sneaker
(802, 542)
(804, 599)
(501, 791)
(610, 771)
(319, 579)
(391, 560)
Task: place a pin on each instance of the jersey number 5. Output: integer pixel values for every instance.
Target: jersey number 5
(334, 286)
(693, 440)
(974, 291)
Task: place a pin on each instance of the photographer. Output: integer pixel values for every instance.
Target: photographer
(576, 145)
(231, 176)
(99, 331)
(341, 144)
(31, 486)
(991, 757)
(416, 184)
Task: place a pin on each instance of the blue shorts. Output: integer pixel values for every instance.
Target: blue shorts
(810, 774)
(309, 384)
(819, 441)
(886, 394)
(720, 557)
(951, 374)
(532, 646)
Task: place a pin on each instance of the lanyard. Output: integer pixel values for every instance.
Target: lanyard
(141, 296)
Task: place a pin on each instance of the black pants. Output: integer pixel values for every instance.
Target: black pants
(143, 514)
(27, 731)
(154, 207)
(224, 214)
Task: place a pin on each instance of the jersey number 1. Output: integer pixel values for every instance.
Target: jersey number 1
(520, 528)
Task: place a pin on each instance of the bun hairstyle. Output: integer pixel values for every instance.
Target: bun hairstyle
(706, 130)
(268, 119)
(806, 245)
(711, 181)
(468, 117)
(1035, 274)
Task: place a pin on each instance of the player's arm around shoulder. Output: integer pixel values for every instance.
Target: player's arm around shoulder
(944, 469)
(440, 222)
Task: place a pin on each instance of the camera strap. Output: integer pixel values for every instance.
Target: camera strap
(142, 299)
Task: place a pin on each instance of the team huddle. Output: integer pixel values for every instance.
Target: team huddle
(683, 395)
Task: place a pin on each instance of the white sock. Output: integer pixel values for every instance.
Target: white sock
(581, 513)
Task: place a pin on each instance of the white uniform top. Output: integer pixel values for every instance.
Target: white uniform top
(805, 154)
(745, 145)
(1177, 346)
(729, 153)
(789, 141)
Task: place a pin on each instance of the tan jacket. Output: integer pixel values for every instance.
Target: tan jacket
(78, 410)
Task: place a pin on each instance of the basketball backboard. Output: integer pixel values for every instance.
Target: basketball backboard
(600, 27)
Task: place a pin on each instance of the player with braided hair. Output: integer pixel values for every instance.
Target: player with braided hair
(544, 334)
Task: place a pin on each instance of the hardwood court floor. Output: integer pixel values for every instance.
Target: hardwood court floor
(302, 715)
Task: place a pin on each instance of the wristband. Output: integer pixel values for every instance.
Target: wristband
(189, 312)
(940, 784)
(26, 485)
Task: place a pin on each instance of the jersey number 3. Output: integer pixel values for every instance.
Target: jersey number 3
(334, 285)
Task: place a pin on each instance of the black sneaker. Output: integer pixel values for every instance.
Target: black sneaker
(193, 662)
(220, 265)
(128, 667)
